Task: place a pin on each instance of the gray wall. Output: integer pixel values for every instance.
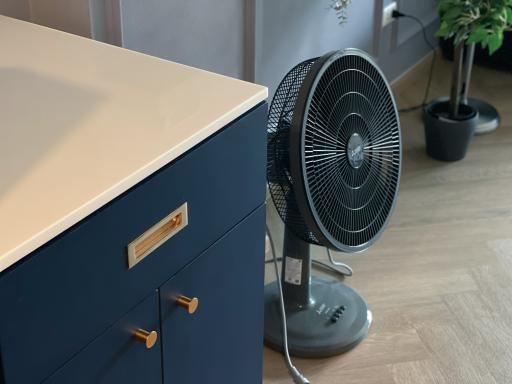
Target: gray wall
(402, 44)
(258, 40)
(289, 31)
(203, 33)
(15, 8)
(70, 16)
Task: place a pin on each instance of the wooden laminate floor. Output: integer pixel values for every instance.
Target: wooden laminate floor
(440, 278)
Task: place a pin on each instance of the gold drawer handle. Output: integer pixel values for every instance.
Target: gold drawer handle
(148, 338)
(190, 304)
(158, 234)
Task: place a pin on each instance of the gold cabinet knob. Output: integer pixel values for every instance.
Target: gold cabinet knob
(148, 338)
(190, 304)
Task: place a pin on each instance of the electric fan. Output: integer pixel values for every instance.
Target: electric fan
(334, 161)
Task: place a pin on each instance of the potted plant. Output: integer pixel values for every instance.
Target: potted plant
(450, 124)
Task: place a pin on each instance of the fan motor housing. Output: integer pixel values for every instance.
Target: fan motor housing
(355, 151)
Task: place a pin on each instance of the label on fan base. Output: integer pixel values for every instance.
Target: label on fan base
(293, 271)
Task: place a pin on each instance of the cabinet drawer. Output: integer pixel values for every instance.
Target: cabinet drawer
(117, 356)
(222, 341)
(67, 292)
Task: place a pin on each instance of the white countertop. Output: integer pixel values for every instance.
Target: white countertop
(82, 122)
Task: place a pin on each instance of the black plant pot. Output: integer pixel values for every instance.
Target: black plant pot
(447, 138)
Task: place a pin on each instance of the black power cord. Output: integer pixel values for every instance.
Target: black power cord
(396, 14)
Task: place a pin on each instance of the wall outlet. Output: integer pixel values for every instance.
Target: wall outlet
(387, 13)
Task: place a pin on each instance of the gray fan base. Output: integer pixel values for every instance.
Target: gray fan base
(313, 331)
(488, 116)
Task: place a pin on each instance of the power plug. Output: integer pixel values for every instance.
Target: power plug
(387, 13)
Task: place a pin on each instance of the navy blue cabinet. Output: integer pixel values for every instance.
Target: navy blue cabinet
(60, 307)
(118, 356)
(227, 280)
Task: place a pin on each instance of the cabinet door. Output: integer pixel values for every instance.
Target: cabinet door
(221, 342)
(118, 356)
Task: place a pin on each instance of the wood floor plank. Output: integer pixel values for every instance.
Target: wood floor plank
(454, 359)
(377, 350)
(502, 249)
(329, 374)
(495, 286)
(484, 333)
(428, 315)
(405, 289)
(417, 372)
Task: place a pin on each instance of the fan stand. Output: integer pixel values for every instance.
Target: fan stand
(324, 317)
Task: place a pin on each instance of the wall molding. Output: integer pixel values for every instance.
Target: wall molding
(377, 27)
(249, 60)
(114, 22)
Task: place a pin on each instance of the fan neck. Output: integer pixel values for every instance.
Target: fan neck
(296, 274)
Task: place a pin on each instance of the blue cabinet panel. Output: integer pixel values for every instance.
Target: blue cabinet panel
(116, 357)
(67, 292)
(222, 341)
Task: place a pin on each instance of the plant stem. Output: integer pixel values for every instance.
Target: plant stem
(469, 54)
(456, 81)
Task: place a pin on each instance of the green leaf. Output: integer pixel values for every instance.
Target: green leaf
(452, 14)
(444, 5)
(444, 30)
(478, 35)
(509, 16)
(495, 41)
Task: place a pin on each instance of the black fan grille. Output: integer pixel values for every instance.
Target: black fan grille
(280, 182)
(347, 202)
(351, 204)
